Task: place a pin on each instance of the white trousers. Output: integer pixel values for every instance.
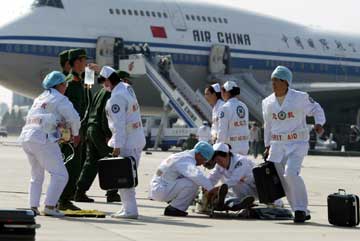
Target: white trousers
(128, 195)
(181, 194)
(45, 157)
(288, 158)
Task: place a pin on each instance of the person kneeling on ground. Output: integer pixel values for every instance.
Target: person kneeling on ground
(235, 172)
(39, 139)
(178, 178)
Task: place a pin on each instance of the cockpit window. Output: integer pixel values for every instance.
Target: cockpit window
(48, 3)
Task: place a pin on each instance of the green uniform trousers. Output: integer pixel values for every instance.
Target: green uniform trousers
(96, 148)
(73, 165)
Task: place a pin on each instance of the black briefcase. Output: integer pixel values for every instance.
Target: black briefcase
(17, 224)
(268, 183)
(117, 172)
(343, 209)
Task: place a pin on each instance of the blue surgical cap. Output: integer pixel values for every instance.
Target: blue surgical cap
(52, 79)
(281, 72)
(205, 149)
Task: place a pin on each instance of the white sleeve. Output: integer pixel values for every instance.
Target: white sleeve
(190, 171)
(267, 124)
(215, 175)
(223, 128)
(312, 108)
(71, 116)
(238, 173)
(117, 113)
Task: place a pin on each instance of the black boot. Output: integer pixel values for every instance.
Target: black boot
(113, 197)
(218, 202)
(67, 205)
(301, 217)
(171, 211)
(82, 197)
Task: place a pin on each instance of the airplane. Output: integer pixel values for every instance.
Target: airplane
(324, 63)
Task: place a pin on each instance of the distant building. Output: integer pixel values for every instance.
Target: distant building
(19, 100)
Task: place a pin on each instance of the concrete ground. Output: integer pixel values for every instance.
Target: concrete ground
(323, 175)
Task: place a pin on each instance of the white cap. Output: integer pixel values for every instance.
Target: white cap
(106, 71)
(216, 87)
(229, 85)
(221, 147)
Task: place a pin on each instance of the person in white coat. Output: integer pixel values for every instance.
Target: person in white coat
(178, 178)
(39, 139)
(128, 139)
(233, 120)
(204, 132)
(286, 136)
(235, 171)
(213, 97)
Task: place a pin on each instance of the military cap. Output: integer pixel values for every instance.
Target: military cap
(123, 74)
(75, 54)
(64, 57)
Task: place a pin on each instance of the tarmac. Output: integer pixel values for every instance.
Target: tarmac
(323, 175)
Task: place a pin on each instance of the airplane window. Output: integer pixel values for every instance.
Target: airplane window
(187, 17)
(220, 20)
(129, 11)
(225, 20)
(136, 13)
(117, 11)
(203, 18)
(123, 12)
(148, 13)
(111, 11)
(215, 20)
(142, 13)
(153, 14)
(165, 15)
(209, 19)
(198, 18)
(193, 17)
(48, 3)
(159, 14)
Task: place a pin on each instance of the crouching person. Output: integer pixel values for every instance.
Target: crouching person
(235, 172)
(39, 139)
(178, 178)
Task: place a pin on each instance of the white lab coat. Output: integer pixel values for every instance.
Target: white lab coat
(215, 119)
(286, 133)
(177, 179)
(239, 177)
(38, 139)
(234, 126)
(124, 118)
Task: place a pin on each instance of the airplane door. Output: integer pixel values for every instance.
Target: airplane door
(109, 50)
(176, 15)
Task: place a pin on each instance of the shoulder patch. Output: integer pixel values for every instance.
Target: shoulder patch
(238, 164)
(131, 91)
(240, 111)
(221, 114)
(115, 108)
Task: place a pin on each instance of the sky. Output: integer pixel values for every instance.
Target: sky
(331, 15)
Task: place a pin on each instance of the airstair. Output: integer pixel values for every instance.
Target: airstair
(191, 106)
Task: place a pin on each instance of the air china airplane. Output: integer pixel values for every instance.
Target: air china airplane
(326, 64)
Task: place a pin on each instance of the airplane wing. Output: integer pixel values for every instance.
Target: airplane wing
(325, 86)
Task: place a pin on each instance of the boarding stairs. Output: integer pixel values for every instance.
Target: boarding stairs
(251, 92)
(191, 106)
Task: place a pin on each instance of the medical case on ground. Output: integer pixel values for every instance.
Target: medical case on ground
(17, 224)
(343, 209)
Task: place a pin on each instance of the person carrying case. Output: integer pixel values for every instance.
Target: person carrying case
(117, 173)
(17, 224)
(343, 209)
(267, 183)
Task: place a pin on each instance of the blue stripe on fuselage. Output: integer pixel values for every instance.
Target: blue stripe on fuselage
(190, 59)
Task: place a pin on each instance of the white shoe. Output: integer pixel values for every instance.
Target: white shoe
(124, 215)
(53, 212)
(279, 203)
